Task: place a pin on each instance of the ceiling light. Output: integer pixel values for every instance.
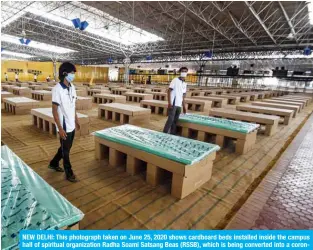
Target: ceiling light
(15, 54)
(36, 45)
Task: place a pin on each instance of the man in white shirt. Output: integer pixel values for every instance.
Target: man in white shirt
(35, 77)
(16, 77)
(65, 117)
(176, 100)
(6, 76)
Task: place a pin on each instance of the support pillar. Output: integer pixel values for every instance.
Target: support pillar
(55, 75)
(127, 64)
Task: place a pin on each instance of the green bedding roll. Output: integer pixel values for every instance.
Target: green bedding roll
(238, 126)
(179, 149)
(28, 202)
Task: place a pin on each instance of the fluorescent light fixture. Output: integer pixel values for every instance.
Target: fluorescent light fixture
(36, 45)
(10, 53)
(310, 8)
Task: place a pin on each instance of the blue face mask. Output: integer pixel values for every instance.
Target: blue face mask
(70, 77)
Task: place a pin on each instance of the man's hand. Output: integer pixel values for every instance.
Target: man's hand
(77, 125)
(184, 110)
(62, 133)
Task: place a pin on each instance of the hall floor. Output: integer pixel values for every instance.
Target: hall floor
(112, 199)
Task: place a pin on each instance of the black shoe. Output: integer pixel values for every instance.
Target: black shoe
(71, 178)
(58, 169)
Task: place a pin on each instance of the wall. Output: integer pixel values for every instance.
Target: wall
(83, 74)
(45, 67)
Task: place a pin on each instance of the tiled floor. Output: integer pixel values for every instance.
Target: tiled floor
(284, 199)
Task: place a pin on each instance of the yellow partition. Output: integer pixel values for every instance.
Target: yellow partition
(84, 73)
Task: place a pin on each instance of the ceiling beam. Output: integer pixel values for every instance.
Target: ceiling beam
(241, 29)
(292, 29)
(235, 21)
(257, 17)
(201, 16)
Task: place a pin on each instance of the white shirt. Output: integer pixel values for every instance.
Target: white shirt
(65, 98)
(16, 76)
(179, 88)
(35, 77)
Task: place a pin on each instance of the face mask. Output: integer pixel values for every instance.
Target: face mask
(70, 77)
(183, 74)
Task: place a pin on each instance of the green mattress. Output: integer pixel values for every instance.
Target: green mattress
(179, 149)
(242, 127)
(28, 202)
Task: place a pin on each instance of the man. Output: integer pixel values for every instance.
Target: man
(6, 76)
(176, 99)
(35, 77)
(65, 117)
(16, 77)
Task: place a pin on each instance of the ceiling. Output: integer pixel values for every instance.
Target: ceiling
(185, 30)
